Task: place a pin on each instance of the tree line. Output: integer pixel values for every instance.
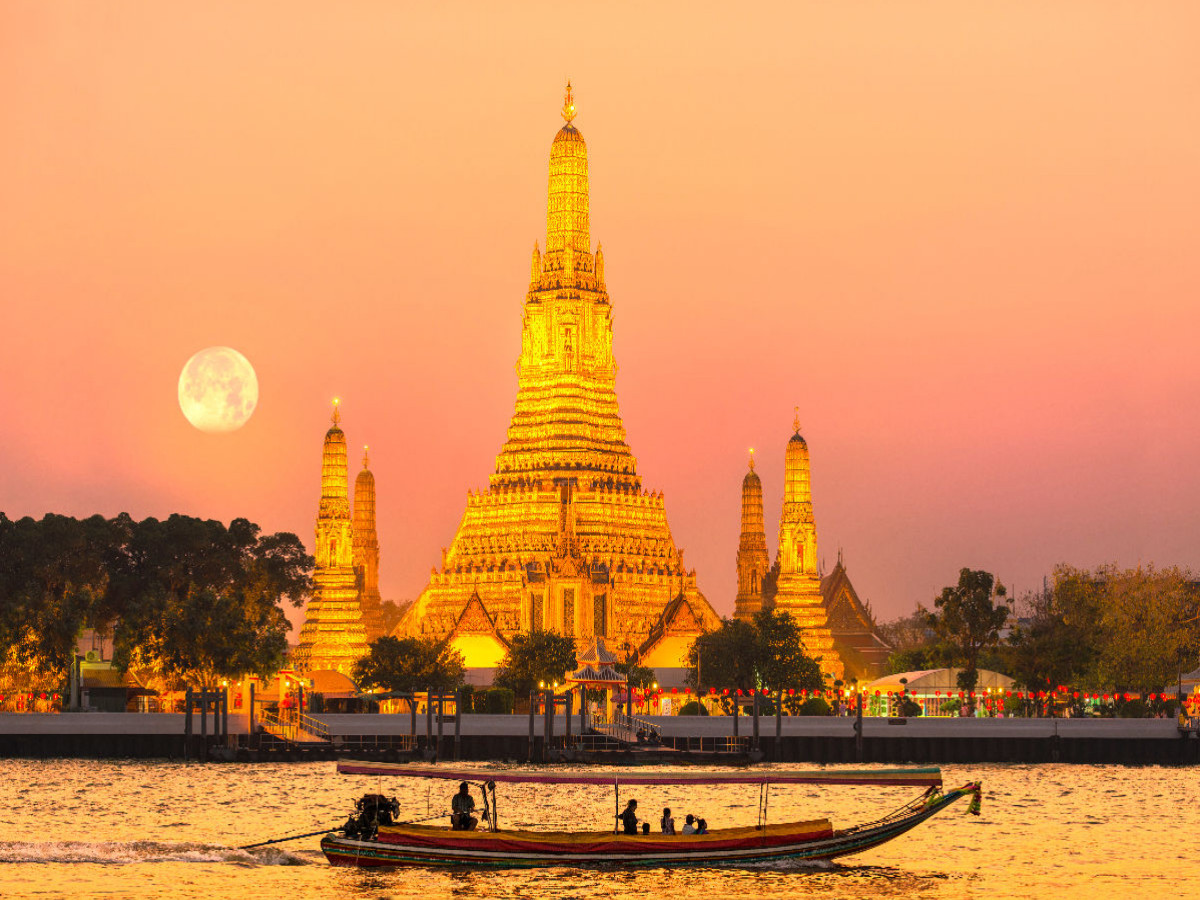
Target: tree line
(1104, 629)
(182, 599)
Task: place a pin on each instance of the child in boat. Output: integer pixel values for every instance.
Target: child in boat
(629, 823)
(701, 827)
(668, 823)
(461, 808)
(689, 824)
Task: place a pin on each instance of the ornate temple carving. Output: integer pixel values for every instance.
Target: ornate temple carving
(366, 550)
(753, 563)
(333, 636)
(564, 537)
(794, 585)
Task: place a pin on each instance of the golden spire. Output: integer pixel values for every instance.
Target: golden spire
(751, 459)
(796, 420)
(366, 457)
(337, 413)
(568, 110)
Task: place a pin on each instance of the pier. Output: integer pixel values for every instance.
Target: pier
(790, 739)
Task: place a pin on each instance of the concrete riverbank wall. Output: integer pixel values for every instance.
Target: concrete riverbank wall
(483, 737)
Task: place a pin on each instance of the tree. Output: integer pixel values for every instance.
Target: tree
(53, 580)
(968, 618)
(410, 664)
(391, 612)
(638, 676)
(1149, 628)
(533, 657)
(767, 651)
(201, 602)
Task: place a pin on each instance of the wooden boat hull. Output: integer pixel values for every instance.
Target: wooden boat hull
(794, 842)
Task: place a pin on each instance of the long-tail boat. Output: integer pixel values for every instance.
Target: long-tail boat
(373, 840)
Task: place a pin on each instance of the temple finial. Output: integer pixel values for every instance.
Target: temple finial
(337, 411)
(796, 420)
(751, 459)
(366, 457)
(568, 110)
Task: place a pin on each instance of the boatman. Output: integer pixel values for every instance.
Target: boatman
(628, 818)
(461, 808)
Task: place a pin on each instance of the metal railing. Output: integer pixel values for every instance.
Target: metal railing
(293, 726)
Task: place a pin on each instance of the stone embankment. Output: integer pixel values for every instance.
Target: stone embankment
(485, 737)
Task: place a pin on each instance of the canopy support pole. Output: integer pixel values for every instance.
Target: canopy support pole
(617, 790)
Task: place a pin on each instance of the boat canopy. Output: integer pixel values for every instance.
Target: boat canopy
(922, 777)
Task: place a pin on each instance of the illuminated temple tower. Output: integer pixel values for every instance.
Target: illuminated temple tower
(366, 550)
(752, 559)
(795, 584)
(333, 636)
(564, 537)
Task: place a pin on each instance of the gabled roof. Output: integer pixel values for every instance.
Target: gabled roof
(680, 617)
(845, 610)
(475, 619)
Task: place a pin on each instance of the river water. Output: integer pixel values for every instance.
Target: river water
(83, 828)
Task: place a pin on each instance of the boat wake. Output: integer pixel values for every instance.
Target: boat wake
(129, 852)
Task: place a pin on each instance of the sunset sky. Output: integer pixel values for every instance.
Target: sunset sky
(961, 237)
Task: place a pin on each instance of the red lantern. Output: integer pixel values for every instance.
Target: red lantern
(674, 690)
(765, 692)
(937, 693)
(791, 692)
(972, 695)
(889, 693)
(726, 692)
(712, 690)
(1076, 695)
(1129, 696)
(1106, 696)
(877, 694)
(739, 692)
(41, 696)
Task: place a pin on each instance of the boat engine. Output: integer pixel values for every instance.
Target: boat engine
(371, 811)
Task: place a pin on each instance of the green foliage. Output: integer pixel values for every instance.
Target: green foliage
(533, 657)
(814, 706)
(951, 706)
(391, 612)
(409, 665)
(639, 676)
(184, 598)
(968, 618)
(908, 707)
(1133, 709)
(693, 708)
(495, 701)
(765, 652)
(1108, 629)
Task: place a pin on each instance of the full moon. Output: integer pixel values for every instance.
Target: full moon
(218, 390)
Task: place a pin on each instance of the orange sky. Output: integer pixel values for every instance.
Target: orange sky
(961, 236)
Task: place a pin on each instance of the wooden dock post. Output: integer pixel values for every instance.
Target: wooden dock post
(187, 724)
(755, 741)
(858, 730)
(203, 725)
(779, 725)
(458, 694)
(737, 713)
(441, 717)
(532, 709)
(251, 708)
(428, 717)
(548, 706)
(567, 698)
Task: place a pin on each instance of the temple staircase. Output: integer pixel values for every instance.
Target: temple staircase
(295, 728)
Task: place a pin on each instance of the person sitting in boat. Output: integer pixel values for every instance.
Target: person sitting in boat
(641, 735)
(701, 826)
(461, 808)
(629, 822)
(689, 824)
(668, 822)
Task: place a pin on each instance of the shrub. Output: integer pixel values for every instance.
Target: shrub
(1132, 709)
(693, 708)
(467, 699)
(909, 707)
(495, 701)
(815, 706)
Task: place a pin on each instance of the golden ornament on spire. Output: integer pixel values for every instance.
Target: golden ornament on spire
(751, 459)
(337, 414)
(568, 110)
(796, 419)
(366, 457)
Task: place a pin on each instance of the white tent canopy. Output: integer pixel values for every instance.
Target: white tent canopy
(927, 681)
